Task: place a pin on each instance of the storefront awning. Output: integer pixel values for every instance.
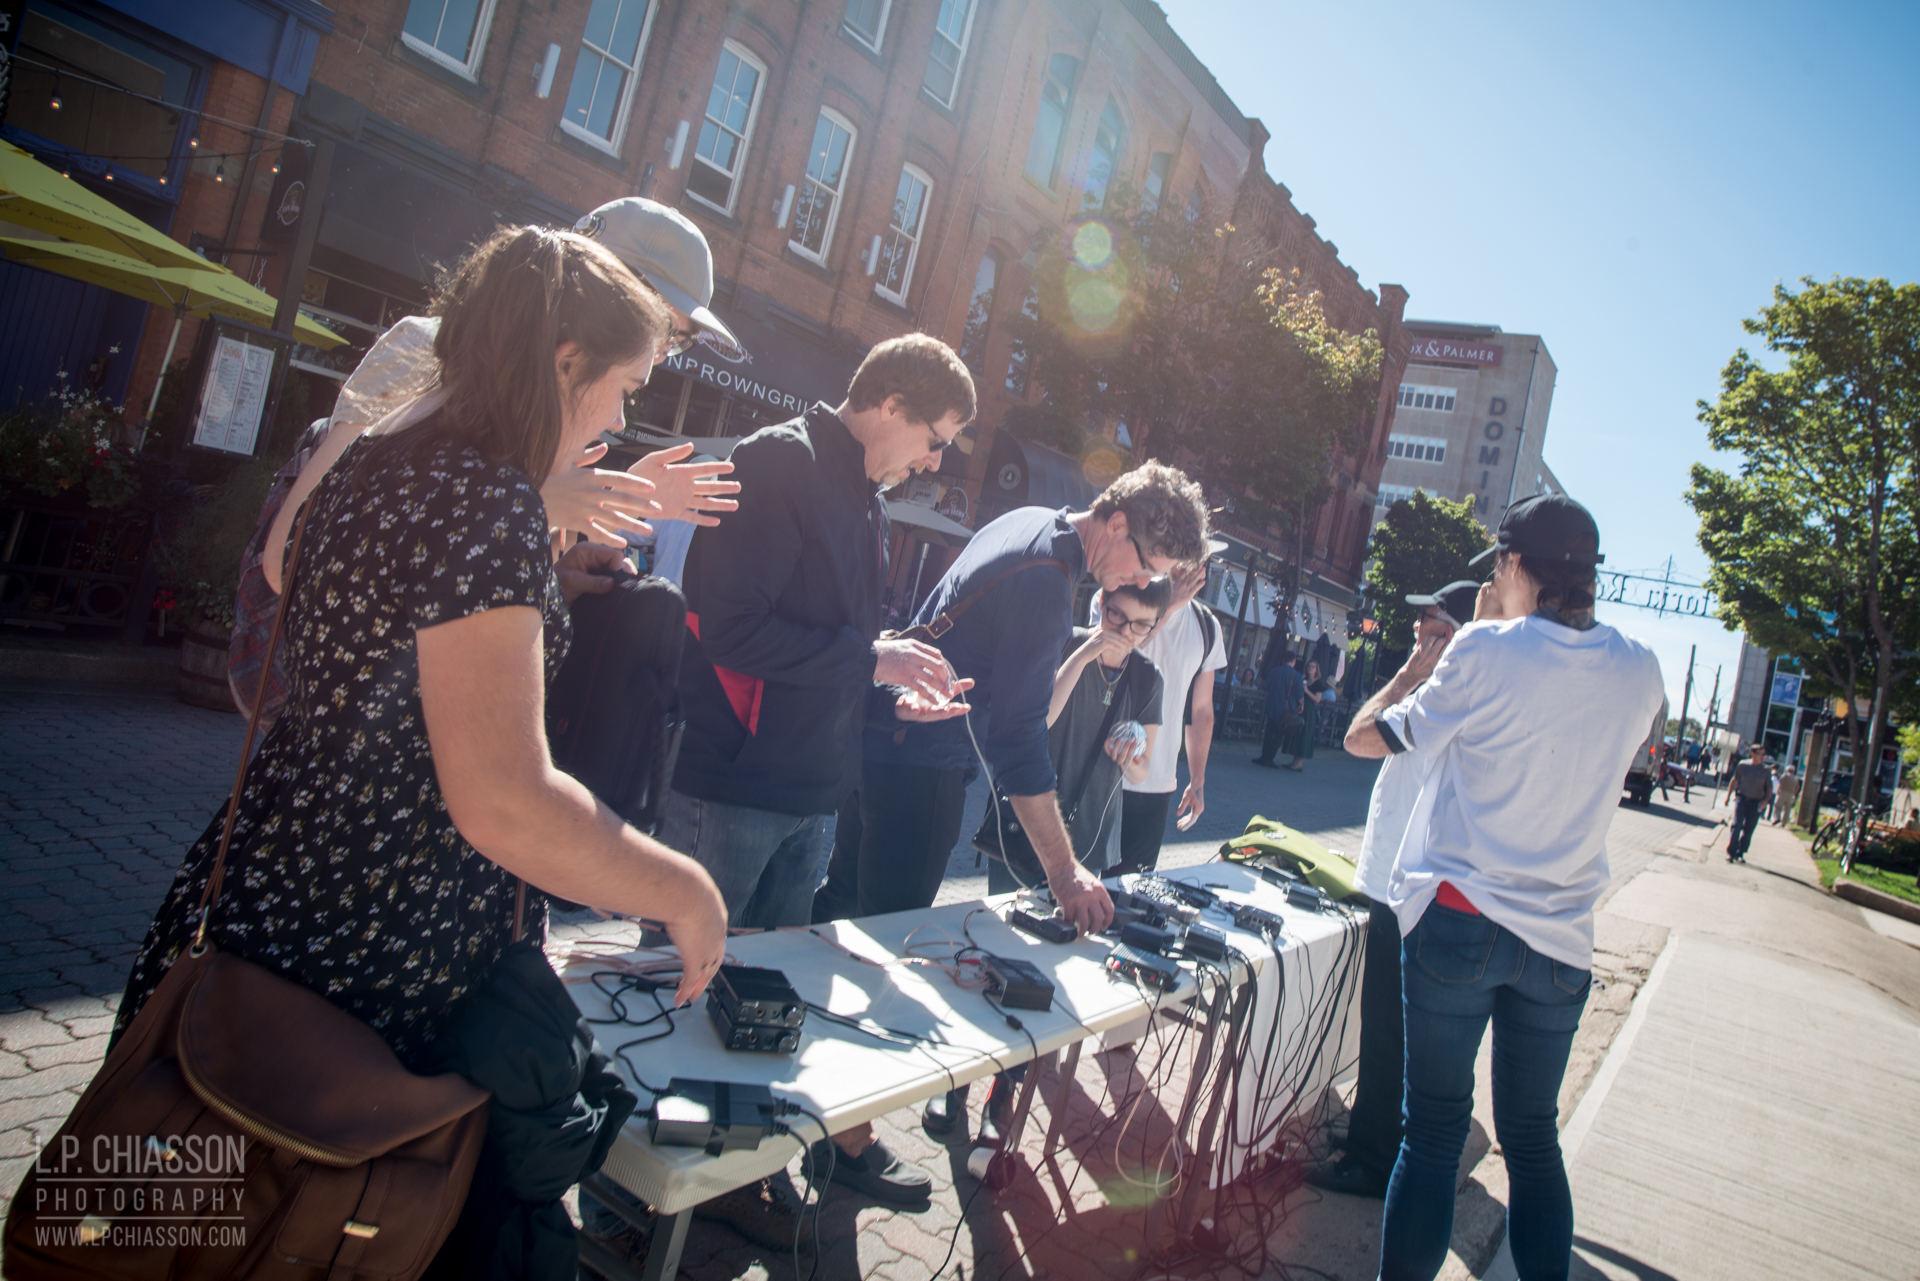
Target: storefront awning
(784, 374)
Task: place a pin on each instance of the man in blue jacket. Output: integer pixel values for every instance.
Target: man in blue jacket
(1003, 615)
(1286, 697)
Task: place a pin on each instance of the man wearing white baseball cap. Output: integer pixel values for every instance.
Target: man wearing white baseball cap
(1529, 723)
(392, 387)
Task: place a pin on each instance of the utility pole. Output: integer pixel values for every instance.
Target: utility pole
(1686, 699)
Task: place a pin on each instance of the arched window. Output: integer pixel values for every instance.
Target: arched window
(1050, 124)
(901, 244)
(973, 339)
(818, 207)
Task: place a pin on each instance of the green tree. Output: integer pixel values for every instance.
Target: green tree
(1424, 543)
(1150, 330)
(1815, 540)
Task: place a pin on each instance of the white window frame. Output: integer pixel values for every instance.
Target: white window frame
(960, 49)
(1421, 445)
(482, 27)
(1113, 160)
(839, 193)
(1388, 495)
(894, 230)
(612, 145)
(745, 55)
(1410, 393)
(880, 31)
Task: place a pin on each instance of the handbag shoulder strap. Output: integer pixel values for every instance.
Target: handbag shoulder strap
(211, 894)
(942, 623)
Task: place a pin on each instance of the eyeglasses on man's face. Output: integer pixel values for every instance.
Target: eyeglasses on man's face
(1121, 621)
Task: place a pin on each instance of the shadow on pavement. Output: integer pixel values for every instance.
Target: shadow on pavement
(1583, 1270)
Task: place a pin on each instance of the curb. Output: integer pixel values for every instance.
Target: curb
(1866, 896)
(158, 670)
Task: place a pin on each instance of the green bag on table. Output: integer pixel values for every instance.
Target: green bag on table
(1274, 844)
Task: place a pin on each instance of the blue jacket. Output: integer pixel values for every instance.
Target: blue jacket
(1286, 688)
(1009, 643)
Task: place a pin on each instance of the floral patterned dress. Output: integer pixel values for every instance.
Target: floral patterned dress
(345, 873)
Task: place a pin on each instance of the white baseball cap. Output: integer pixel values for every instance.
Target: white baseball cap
(668, 251)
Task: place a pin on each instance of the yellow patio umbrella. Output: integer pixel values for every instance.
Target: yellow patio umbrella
(36, 197)
(206, 290)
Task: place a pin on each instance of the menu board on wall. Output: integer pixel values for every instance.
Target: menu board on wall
(234, 390)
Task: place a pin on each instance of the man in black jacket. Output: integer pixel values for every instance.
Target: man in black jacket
(783, 611)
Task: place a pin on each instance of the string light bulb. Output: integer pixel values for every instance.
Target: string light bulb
(55, 104)
(276, 165)
(194, 141)
(220, 172)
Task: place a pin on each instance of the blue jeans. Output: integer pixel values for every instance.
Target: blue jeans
(1458, 970)
(767, 865)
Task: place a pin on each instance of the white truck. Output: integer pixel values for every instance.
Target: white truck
(1644, 770)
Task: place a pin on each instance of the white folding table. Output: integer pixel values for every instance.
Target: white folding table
(846, 1077)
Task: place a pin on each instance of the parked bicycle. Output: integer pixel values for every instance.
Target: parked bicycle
(1844, 834)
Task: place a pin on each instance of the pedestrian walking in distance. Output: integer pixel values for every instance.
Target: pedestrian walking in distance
(1752, 789)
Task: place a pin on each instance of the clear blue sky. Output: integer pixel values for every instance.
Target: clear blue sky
(1630, 181)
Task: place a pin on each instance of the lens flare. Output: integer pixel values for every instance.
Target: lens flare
(1095, 304)
(1093, 246)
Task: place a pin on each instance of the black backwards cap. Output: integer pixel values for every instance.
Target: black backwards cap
(1548, 527)
(1457, 598)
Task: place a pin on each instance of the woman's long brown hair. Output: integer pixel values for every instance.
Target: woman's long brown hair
(503, 312)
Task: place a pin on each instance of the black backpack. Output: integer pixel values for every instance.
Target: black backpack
(1209, 630)
(613, 715)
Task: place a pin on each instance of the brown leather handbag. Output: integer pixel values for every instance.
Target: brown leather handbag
(246, 1127)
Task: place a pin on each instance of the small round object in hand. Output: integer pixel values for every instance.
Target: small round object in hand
(1130, 736)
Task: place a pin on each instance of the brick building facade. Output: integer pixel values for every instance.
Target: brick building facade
(861, 168)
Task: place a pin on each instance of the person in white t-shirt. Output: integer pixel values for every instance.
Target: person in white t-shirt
(1187, 644)
(1373, 1126)
(1529, 724)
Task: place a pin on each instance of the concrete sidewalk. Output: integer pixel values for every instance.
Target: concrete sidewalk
(1755, 1117)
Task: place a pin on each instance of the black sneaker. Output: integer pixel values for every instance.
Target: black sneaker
(1349, 1178)
(766, 1213)
(944, 1112)
(877, 1173)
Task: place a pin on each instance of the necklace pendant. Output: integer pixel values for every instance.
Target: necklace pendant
(1106, 698)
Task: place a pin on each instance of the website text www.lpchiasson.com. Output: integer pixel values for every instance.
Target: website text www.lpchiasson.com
(143, 1192)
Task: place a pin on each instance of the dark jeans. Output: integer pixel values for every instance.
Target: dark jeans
(1373, 1129)
(1143, 826)
(1460, 970)
(1746, 814)
(892, 841)
(1270, 741)
(765, 864)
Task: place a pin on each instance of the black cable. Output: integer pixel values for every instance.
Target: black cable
(817, 1190)
(624, 984)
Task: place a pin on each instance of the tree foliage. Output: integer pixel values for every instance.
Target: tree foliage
(1815, 539)
(1423, 544)
(1151, 322)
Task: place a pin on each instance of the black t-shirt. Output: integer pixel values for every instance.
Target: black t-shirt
(1077, 746)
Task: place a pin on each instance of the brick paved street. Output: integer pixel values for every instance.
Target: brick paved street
(102, 790)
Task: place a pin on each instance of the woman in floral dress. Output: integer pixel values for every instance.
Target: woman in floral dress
(407, 786)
